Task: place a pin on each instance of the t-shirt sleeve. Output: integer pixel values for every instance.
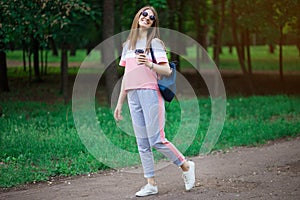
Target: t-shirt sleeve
(123, 56)
(159, 51)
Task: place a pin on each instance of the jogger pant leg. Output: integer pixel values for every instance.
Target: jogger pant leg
(148, 119)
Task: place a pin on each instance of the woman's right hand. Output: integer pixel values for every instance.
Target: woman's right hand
(118, 113)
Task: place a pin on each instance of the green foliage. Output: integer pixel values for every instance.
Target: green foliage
(269, 16)
(74, 19)
(158, 3)
(7, 17)
(39, 141)
(25, 20)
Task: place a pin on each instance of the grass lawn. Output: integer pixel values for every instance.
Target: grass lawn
(261, 58)
(39, 141)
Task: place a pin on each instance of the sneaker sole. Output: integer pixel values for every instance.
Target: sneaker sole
(149, 194)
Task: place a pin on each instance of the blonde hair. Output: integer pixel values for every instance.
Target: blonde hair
(153, 32)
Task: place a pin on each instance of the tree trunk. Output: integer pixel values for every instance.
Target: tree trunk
(3, 73)
(298, 36)
(119, 24)
(89, 48)
(172, 23)
(238, 47)
(196, 14)
(36, 66)
(29, 66)
(64, 71)
(280, 54)
(24, 56)
(73, 50)
(216, 18)
(46, 62)
(230, 49)
(242, 45)
(203, 26)
(235, 38)
(247, 40)
(248, 51)
(271, 48)
(53, 47)
(219, 32)
(180, 9)
(111, 74)
(42, 61)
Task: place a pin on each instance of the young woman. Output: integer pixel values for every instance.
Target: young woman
(146, 104)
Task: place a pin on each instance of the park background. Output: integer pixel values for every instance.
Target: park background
(255, 44)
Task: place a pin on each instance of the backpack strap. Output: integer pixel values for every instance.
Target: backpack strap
(154, 61)
(152, 54)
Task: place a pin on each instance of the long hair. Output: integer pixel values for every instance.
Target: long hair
(153, 32)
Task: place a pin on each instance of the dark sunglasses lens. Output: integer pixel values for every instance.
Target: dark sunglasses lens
(145, 14)
(152, 17)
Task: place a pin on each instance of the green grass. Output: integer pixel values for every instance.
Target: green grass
(39, 140)
(79, 57)
(261, 58)
(18, 72)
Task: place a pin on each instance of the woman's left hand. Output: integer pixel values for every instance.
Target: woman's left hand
(142, 58)
(118, 112)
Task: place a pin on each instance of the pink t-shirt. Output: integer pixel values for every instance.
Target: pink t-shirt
(140, 76)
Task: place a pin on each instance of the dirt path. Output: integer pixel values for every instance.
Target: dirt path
(271, 171)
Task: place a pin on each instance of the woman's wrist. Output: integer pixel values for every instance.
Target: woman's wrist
(148, 64)
(151, 66)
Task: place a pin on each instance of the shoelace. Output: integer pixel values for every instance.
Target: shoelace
(185, 178)
(145, 187)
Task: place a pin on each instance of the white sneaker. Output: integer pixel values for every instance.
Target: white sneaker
(189, 176)
(147, 190)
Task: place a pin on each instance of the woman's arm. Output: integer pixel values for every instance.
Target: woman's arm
(118, 110)
(160, 68)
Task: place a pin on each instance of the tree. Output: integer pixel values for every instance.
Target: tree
(176, 19)
(7, 31)
(3, 72)
(277, 16)
(235, 37)
(248, 21)
(68, 18)
(34, 22)
(32, 25)
(111, 74)
(238, 44)
(219, 7)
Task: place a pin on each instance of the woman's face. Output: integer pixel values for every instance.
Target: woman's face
(146, 19)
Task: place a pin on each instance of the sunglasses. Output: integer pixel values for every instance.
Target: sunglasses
(151, 17)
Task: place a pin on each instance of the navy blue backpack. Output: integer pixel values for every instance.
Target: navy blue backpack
(166, 84)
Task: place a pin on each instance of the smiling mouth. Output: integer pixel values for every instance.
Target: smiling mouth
(145, 21)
